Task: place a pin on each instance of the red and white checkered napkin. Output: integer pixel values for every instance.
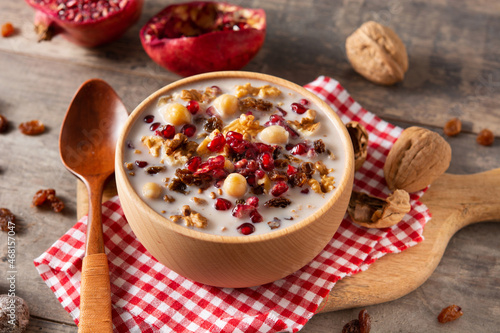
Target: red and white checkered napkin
(149, 297)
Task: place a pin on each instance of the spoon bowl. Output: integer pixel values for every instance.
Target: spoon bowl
(87, 148)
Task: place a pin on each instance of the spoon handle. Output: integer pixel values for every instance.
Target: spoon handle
(95, 290)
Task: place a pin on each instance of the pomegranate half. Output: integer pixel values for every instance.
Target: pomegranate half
(86, 23)
(198, 37)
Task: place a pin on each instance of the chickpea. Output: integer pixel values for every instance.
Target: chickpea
(235, 185)
(176, 114)
(274, 134)
(226, 105)
(151, 190)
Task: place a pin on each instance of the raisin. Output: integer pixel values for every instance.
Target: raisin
(274, 224)
(307, 168)
(450, 313)
(6, 218)
(351, 327)
(153, 170)
(255, 104)
(276, 176)
(33, 127)
(485, 137)
(258, 189)
(7, 29)
(365, 321)
(177, 185)
(212, 124)
(298, 179)
(4, 123)
(319, 146)
(277, 202)
(281, 163)
(453, 127)
(48, 197)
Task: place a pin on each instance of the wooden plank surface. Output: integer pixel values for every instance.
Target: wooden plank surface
(454, 71)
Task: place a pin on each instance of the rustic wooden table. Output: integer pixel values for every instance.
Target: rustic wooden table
(454, 53)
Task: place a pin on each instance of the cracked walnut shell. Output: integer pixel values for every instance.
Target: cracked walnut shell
(373, 212)
(377, 53)
(418, 158)
(359, 138)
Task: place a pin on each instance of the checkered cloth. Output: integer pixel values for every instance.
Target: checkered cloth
(149, 297)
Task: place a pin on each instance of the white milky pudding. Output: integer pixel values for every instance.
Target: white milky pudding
(234, 158)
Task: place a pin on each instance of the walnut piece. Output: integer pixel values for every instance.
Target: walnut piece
(262, 92)
(418, 157)
(359, 138)
(377, 53)
(190, 217)
(372, 212)
(306, 126)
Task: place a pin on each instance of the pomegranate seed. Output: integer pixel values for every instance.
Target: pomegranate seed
(235, 135)
(283, 112)
(141, 164)
(260, 174)
(154, 126)
(298, 108)
(305, 191)
(251, 153)
(193, 163)
(149, 119)
(250, 180)
(278, 120)
(222, 204)
(188, 130)
(249, 113)
(219, 174)
(168, 132)
(7, 29)
(193, 107)
(210, 111)
(216, 162)
(304, 102)
(279, 188)
(216, 90)
(242, 210)
(299, 149)
(263, 148)
(255, 217)
(266, 161)
(241, 163)
(246, 228)
(291, 170)
(217, 143)
(289, 146)
(253, 201)
(252, 165)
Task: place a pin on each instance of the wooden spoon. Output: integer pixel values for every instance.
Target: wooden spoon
(87, 147)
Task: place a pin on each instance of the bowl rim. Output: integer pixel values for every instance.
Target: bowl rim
(341, 185)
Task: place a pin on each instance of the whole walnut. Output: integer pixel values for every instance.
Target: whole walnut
(377, 53)
(418, 158)
(14, 314)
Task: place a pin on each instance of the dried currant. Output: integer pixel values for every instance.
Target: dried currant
(48, 197)
(319, 146)
(351, 327)
(365, 321)
(33, 127)
(485, 137)
(212, 124)
(4, 123)
(274, 224)
(153, 170)
(453, 127)
(7, 219)
(450, 313)
(277, 202)
(178, 186)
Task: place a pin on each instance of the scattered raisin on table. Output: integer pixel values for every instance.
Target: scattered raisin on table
(450, 313)
(485, 137)
(3, 124)
(351, 327)
(7, 29)
(33, 127)
(365, 321)
(453, 127)
(6, 217)
(48, 197)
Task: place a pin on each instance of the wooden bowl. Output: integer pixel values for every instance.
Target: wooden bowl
(229, 261)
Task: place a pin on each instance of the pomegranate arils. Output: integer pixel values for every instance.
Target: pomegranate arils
(222, 204)
(291, 170)
(167, 131)
(211, 164)
(246, 228)
(255, 217)
(141, 164)
(304, 102)
(299, 149)
(259, 174)
(242, 210)
(298, 108)
(210, 111)
(193, 107)
(188, 130)
(266, 161)
(217, 143)
(154, 126)
(279, 188)
(219, 174)
(149, 118)
(253, 201)
(234, 135)
(193, 163)
(283, 112)
(278, 120)
(250, 180)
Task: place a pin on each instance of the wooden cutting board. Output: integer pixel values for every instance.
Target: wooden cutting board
(455, 201)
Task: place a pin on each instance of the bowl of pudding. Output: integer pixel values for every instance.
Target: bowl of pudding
(234, 179)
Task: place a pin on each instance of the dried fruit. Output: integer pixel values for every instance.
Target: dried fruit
(485, 137)
(277, 202)
(360, 325)
(13, 319)
(377, 53)
(48, 197)
(187, 38)
(86, 23)
(4, 124)
(450, 313)
(279, 188)
(33, 127)
(351, 327)
(373, 212)
(7, 220)
(417, 158)
(359, 138)
(7, 29)
(212, 124)
(453, 127)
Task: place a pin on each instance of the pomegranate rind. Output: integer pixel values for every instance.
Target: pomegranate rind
(212, 51)
(93, 33)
